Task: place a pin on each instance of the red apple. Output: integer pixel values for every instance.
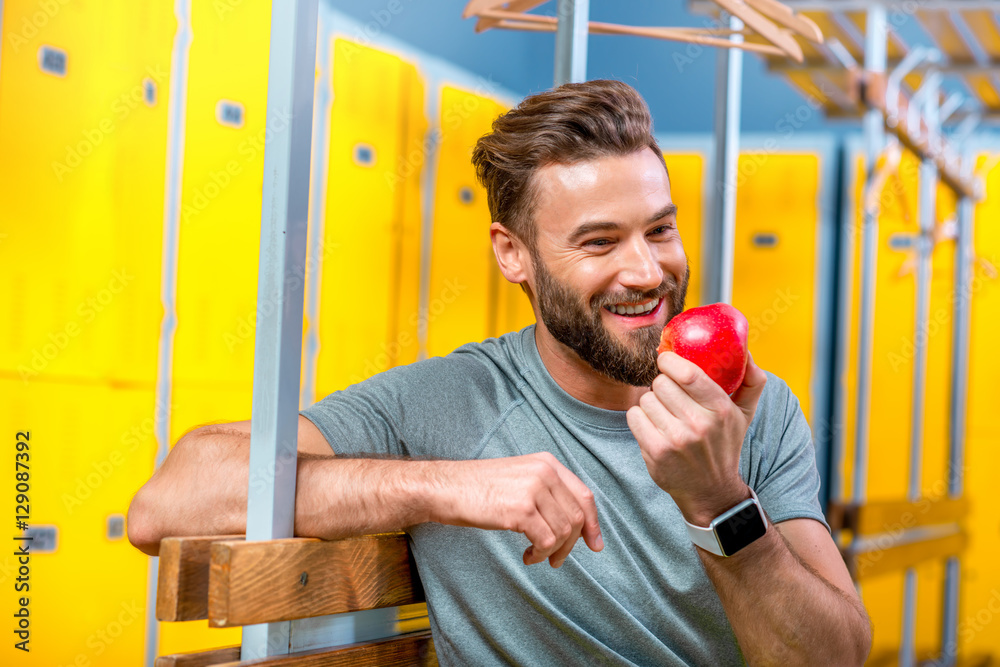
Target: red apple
(715, 338)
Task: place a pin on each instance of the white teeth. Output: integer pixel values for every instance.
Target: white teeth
(634, 309)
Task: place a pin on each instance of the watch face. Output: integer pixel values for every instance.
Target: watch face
(740, 529)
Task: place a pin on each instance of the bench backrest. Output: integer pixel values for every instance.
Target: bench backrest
(232, 582)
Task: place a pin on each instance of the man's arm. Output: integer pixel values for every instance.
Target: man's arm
(786, 610)
(788, 595)
(201, 489)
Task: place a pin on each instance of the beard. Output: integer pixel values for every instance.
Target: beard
(582, 329)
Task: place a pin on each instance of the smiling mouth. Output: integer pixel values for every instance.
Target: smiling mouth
(634, 309)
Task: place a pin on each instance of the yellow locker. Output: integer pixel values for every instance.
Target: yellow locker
(464, 280)
(225, 134)
(774, 268)
(61, 126)
(87, 585)
(219, 239)
(892, 387)
(687, 183)
(979, 610)
(142, 53)
(890, 403)
(370, 255)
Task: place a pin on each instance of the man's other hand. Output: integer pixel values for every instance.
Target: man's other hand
(532, 494)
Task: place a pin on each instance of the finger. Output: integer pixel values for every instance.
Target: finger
(584, 497)
(560, 554)
(571, 510)
(642, 428)
(655, 411)
(748, 394)
(552, 526)
(695, 382)
(672, 396)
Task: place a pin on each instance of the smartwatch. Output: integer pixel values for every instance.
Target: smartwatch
(732, 530)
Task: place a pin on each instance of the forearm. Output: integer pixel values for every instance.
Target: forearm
(338, 497)
(784, 614)
(201, 489)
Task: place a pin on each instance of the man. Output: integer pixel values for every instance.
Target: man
(504, 453)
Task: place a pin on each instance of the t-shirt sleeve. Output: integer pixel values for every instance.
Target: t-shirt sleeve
(427, 409)
(783, 469)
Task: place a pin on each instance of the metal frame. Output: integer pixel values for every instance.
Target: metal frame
(875, 61)
(705, 6)
(925, 105)
(718, 234)
(176, 122)
(571, 41)
(281, 282)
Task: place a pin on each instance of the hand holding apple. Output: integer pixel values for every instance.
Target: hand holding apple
(690, 432)
(714, 337)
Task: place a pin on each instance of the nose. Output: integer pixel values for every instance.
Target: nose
(640, 269)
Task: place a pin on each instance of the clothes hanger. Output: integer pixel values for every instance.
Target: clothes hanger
(783, 14)
(757, 15)
(759, 23)
(515, 21)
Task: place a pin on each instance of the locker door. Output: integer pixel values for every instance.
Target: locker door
(370, 264)
(219, 237)
(891, 391)
(86, 585)
(464, 279)
(81, 246)
(979, 599)
(687, 182)
(57, 133)
(774, 271)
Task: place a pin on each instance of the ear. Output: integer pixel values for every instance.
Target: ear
(511, 253)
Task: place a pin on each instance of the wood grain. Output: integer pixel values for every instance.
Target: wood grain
(413, 650)
(279, 580)
(200, 658)
(866, 564)
(182, 583)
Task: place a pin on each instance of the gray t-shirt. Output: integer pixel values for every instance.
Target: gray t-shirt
(645, 598)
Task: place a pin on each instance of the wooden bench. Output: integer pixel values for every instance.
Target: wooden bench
(231, 582)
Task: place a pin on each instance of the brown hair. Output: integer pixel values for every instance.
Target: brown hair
(571, 123)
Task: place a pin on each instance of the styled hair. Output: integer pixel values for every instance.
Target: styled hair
(568, 124)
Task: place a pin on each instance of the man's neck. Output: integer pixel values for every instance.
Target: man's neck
(578, 379)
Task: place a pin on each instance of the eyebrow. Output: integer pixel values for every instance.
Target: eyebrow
(591, 227)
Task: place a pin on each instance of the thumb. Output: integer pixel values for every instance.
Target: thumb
(749, 392)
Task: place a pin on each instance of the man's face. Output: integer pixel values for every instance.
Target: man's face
(607, 243)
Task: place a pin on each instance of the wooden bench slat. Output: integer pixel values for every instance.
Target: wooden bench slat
(208, 658)
(279, 580)
(872, 563)
(182, 582)
(885, 516)
(413, 650)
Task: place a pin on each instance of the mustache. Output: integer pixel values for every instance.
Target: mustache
(631, 296)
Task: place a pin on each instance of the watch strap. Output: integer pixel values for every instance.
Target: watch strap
(708, 539)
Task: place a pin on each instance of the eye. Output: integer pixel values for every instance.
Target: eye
(662, 229)
(598, 242)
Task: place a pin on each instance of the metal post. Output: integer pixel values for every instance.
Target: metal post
(875, 62)
(278, 344)
(571, 41)
(720, 230)
(928, 191)
(961, 328)
(176, 104)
